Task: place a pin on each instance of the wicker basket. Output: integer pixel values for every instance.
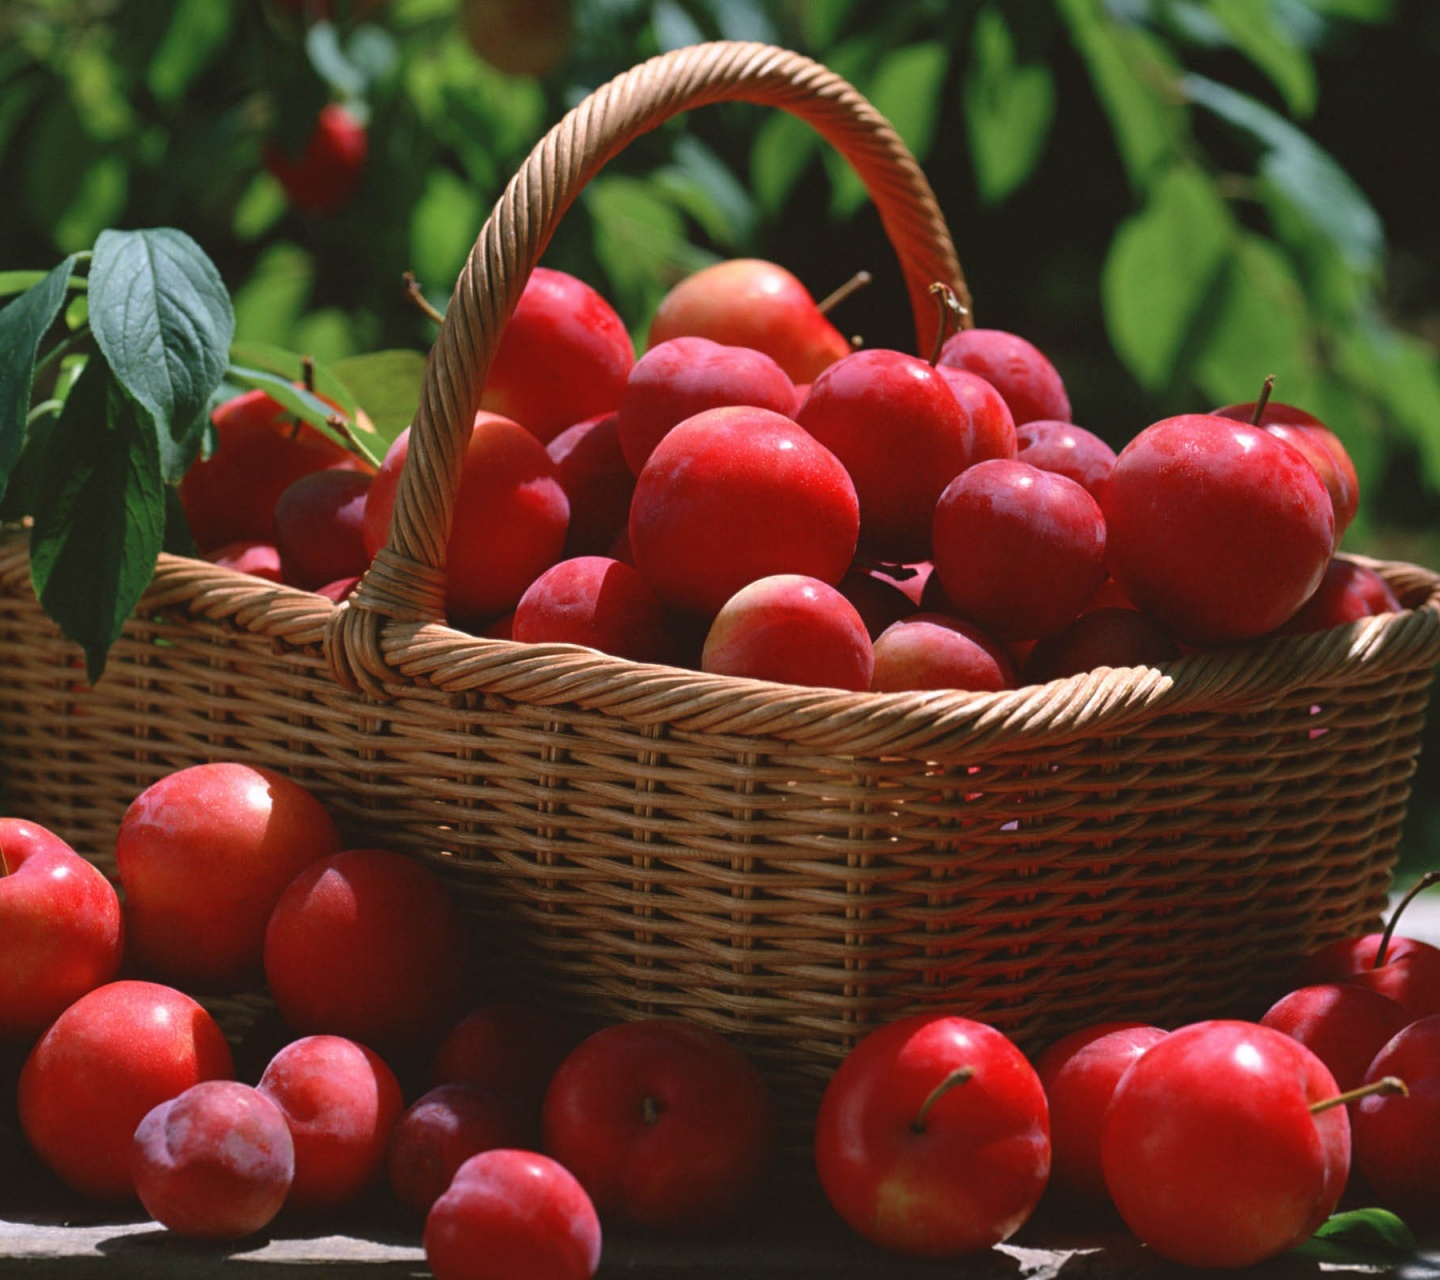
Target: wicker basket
(789, 866)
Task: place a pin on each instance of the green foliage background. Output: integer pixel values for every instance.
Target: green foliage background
(1174, 198)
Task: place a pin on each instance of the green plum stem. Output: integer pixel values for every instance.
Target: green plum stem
(1425, 881)
(961, 1075)
(1384, 1085)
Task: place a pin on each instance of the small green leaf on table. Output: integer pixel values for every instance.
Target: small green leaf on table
(1359, 1236)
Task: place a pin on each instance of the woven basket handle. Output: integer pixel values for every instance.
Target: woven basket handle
(406, 582)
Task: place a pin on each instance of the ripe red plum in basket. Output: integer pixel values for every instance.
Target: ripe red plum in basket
(564, 357)
(747, 302)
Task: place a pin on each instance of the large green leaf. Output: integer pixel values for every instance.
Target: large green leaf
(1131, 72)
(1162, 266)
(1311, 179)
(100, 514)
(23, 325)
(1259, 327)
(162, 319)
(1008, 109)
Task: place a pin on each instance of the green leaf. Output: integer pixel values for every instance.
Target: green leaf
(197, 31)
(673, 27)
(745, 20)
(443, 226)
(13, 282)
(1307, 175)
(1132, 73)
(177, 453)
(1162, 265)
(1255, 33)
(783, 148)
(290, 365)
(19, 500)
(386, 385)
(260, 206)
(905, 89)
(700, 183)
(100, 515)
(162, 319)
(1008, 109)
(1402, 373)
(269, 303)
(640, 241)
(1259, 326)
(1358, 1236)
(821, 24)
(306, 407)
(23, 326)
(322, 46)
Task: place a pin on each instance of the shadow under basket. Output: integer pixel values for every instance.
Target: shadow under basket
(791, 867)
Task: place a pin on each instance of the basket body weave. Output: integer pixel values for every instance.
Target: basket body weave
(789, 866)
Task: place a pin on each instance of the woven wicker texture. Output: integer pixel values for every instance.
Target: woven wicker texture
(789, 866)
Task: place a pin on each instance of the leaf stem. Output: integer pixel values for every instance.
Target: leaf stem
(341, 426)
(41, 409)
(61, 349)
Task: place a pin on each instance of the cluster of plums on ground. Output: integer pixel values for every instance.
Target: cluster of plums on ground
(510, 1135)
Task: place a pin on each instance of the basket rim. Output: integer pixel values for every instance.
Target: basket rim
(432, 659)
